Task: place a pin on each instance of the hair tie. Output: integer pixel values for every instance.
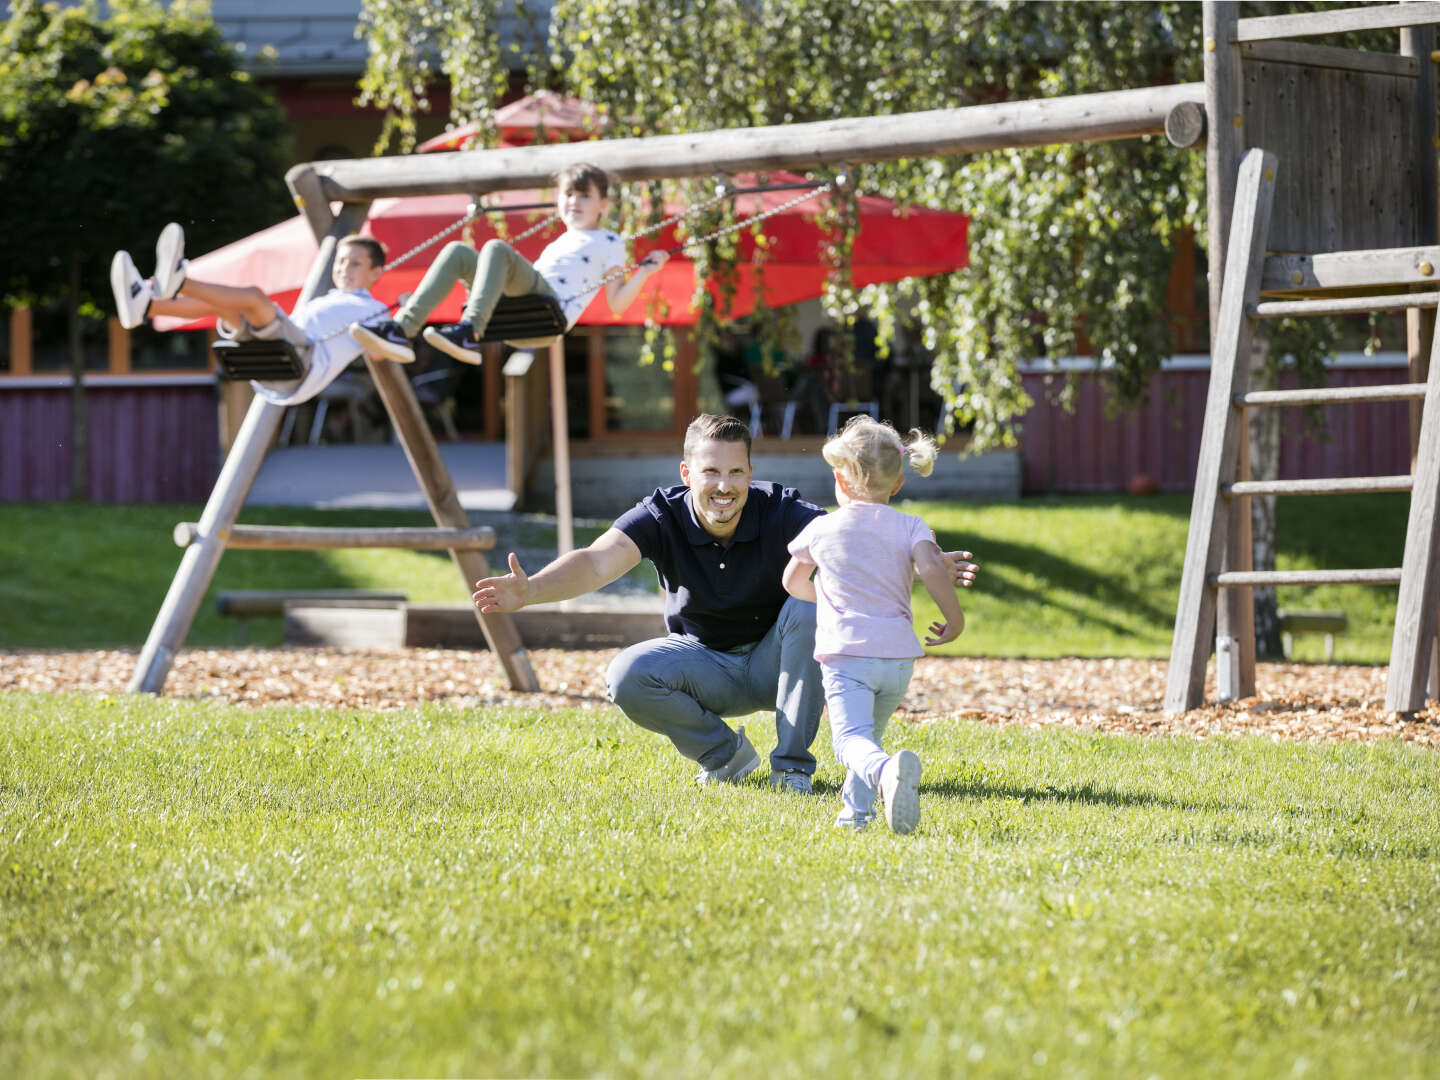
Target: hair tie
(904, 450)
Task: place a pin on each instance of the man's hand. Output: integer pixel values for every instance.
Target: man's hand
(962, 569)
(508, 593)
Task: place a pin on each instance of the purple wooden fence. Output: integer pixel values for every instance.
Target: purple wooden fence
(151, 440)
(1086, 450)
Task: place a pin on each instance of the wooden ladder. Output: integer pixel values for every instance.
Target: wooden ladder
(1216, 557)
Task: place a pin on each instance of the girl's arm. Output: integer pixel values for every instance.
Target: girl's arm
(797, 579)
(935, 571)
(620, 295)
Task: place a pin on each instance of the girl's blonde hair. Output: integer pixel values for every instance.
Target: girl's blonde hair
(869, 454)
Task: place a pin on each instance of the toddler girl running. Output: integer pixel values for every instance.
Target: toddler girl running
(867, 553)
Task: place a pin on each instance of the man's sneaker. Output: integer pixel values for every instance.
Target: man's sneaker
(741, 764)
(169, 261)
(387, 339)
(132, 292)
(900, 788)
(457, 340)
(791, 780)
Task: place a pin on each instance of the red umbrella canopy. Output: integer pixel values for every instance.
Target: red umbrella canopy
(562, 118)
(891, 243)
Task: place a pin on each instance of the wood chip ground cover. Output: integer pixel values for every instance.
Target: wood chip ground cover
(1307, 702)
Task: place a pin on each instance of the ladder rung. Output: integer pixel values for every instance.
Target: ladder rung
(1331, 486)
(1331, 395)
(1234, 579)
(1350, 305)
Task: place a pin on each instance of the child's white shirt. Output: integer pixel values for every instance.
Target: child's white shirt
(326, 322)
(865, 552)
(575, 262)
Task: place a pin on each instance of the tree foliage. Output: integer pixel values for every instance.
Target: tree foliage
(1070, 246)
(110, 127)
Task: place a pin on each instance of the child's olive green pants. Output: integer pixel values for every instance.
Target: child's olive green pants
(494, 271)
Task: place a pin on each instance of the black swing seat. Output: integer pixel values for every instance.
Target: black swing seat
(523, 318)
(265, 361)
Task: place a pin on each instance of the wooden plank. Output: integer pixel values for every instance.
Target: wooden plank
(307, 538)
(1379, 576)
(1333, 395)
(434, 478)
(1416, 608)
(1223, 140)
(560, 448)
(451, 626)
(1325, 56)
(1370, 269)
(1419, 44)
(1342, 21)
(1220, 443)
(250, 603)
(1119, 114)
(1349, 305)
(1330, 486)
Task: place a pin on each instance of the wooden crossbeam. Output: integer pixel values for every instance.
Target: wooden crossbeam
(305, 538)
(1343, 21)
(1334, 395)
(1338, 485)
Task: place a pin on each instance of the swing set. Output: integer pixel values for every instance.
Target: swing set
(532, 320)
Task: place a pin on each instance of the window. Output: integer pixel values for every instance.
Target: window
(151, 350)
(638, 398)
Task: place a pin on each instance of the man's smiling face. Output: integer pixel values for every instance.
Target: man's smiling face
(718, 476)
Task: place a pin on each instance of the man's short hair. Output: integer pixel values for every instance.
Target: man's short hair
(583, 176)
(374, 248)
(707, 427)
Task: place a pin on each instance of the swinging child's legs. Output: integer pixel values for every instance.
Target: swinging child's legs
(496, 270)
(862, 694)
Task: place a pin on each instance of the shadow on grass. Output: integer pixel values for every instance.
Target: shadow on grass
(1060, 576)
(1088, 793)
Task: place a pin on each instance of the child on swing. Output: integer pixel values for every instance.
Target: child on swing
(867, 553)
(570, 269)
(316, 330)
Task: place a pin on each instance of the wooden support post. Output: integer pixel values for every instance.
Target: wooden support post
(242, 463)
(1220, 443)
(560, 448)
(1417, 42)
(1416, 608)
(424, 455)
(1235, 615)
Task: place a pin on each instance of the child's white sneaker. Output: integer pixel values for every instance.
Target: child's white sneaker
(132, 292)
(900, 789)
(170, 261)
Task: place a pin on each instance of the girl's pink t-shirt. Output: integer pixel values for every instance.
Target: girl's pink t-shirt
(865, 552)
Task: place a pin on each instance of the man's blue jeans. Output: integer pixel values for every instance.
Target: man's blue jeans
(681, 689)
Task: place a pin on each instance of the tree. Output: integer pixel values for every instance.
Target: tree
(1067, 242)
(108, 129)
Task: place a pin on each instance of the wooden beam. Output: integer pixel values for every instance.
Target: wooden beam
(1324, 56)
(560, 447)
(1223, 433)
(1185, 126)
(1352, 269)
(1343, 21)
(307, 538)
(1119, 114)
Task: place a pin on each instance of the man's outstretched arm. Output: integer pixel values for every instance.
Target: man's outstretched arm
(572, 574)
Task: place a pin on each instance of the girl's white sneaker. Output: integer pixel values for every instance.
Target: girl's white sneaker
(900, 790)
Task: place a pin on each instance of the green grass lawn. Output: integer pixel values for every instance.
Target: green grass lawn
(193, 890)
(1093, 576)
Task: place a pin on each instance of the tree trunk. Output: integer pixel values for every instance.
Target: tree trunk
(79, 436)
(1264, 465)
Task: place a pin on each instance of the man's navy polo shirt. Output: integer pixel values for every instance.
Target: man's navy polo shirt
(722, 597)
